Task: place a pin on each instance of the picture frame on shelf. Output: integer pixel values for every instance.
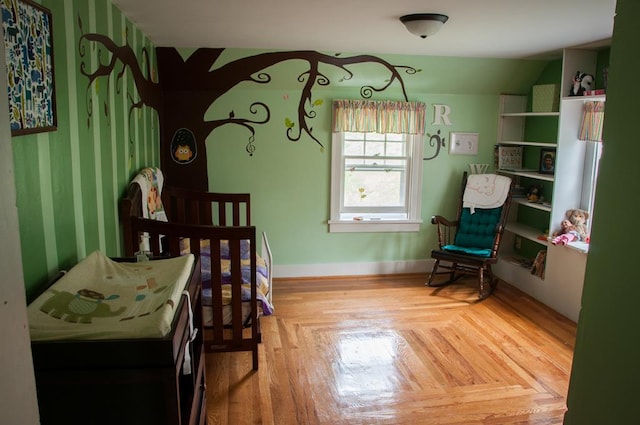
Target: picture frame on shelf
(547, 161)
(32, 102)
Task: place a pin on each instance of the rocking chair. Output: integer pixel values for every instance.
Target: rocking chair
(469, 245)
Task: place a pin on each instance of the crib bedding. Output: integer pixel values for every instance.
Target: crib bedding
(101, 298)
(262, 284)
(264, 306)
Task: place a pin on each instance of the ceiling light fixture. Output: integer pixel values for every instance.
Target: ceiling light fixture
(424, 24)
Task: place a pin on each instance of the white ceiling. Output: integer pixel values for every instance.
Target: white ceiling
(476, 28)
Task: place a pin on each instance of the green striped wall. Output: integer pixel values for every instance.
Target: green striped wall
(68, 181)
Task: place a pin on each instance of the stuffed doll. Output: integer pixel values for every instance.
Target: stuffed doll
(566, 234)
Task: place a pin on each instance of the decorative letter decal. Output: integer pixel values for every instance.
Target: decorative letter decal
(441, 115)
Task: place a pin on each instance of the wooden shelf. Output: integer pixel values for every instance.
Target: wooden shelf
(536, 205)
(529, 174)
(526, 232)
(531, 114)
(601, 97)
(517, 143)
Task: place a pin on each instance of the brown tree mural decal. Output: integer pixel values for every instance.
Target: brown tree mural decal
(187, 88)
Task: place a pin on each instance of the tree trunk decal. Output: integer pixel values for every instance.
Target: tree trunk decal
(186, 89)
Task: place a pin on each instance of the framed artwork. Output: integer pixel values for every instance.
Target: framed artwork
(547, 161)
(28, 43)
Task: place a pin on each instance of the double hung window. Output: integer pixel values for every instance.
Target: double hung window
(376, 177)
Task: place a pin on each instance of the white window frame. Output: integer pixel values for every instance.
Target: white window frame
(378, 222)
(593, 153)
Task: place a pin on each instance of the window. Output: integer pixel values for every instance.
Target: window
(376, 182)
(593, 153)
(591, 134)
(376, 166)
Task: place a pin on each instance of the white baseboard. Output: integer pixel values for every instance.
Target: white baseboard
(352, 269)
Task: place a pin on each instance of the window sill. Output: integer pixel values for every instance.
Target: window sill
(354, 226)
(582, 247)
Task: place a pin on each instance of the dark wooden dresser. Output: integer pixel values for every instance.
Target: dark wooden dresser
(127, 381)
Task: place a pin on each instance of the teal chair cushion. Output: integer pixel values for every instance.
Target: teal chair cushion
(468, 251)
(476, 232)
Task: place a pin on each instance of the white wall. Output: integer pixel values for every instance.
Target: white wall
(18, 402)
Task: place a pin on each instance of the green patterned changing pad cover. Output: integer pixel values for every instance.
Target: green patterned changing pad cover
(100, 298)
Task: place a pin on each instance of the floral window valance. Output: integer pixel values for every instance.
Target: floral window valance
(592, 121)
(379, 116)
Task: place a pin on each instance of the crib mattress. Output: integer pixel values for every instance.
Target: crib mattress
(102, 299)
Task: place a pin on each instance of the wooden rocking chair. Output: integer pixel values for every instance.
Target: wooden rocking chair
(469, 245)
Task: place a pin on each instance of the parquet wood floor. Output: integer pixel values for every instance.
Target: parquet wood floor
(388, 350)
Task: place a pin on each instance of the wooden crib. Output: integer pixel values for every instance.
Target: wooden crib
(217, 225)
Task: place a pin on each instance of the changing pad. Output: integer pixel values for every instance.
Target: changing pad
(101, 298)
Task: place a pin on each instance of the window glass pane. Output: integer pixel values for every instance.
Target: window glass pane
(375, 136)
(353, 136)
(353, 148)
(373, 188)
(395, 136)
(374, 149)
(396, 149)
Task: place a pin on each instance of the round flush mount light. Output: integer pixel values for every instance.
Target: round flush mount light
(424, 24)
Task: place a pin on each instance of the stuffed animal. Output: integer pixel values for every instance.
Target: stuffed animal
(581, 83)
(574, 228)
(566, 234)
(534, 195)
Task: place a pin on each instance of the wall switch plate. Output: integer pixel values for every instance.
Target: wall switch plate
(463, 143)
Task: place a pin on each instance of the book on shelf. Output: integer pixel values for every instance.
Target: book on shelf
(520, 261)
(509, 157)
(539, 264)
(518, 191)
(597, 92)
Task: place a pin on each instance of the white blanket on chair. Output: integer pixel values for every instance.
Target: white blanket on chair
(485, 191)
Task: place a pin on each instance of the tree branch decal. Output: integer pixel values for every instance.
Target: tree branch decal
(254, 109)
(187, 88)
(109, 56)
(435, 141)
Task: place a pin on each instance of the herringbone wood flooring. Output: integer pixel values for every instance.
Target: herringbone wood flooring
(388, 350)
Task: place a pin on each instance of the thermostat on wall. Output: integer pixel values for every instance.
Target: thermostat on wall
(463, 143)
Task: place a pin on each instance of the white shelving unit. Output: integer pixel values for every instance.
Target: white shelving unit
(511, 129)
(573, 183)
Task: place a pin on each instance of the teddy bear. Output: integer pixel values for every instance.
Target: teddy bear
(573, 228)
(534, 195)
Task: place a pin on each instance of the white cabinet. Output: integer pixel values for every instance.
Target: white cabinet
(571, 186)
